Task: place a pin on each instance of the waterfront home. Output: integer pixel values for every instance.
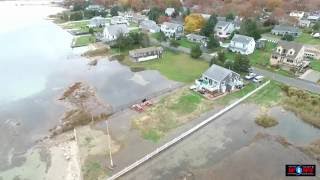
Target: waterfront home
(169, 11)
(149, 26)
(119, 20)
(219, 79)
(97, 21)
(289, 54)
(281, 30)
(242, 44)
(172, 29)
(224, 29)
(203, 40)
(112, 32)
(145, 54)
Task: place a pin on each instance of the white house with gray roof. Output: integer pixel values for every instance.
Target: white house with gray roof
(172, 29)
(242, 44)
(281, 30)
(119, 20)
(219, 79)
(169, 11)
(97, 21)
(112, 32)
(150, 26)
(224, 29)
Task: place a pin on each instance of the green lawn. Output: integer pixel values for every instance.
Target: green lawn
(84, 40)
(227, 99)
(175, 66)
(305, 38)
(187, 103)
(260, 57)
(184, 42)
(269, 95)
(315, 65)
(76, 25)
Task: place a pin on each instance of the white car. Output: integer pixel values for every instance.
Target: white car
(258, 79)
(250, 76)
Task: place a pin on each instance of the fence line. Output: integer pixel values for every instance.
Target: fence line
(183, 135)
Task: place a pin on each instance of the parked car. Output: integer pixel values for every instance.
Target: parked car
(258, 79)
(250, 76)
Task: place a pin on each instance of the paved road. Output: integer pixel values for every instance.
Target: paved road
(298, 83)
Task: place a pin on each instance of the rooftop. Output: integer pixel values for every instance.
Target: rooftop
(145, 50)
(285, 28)
(217, 73)
(242, 39)
(117, 28)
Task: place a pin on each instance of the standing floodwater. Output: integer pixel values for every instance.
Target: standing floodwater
(37, 65)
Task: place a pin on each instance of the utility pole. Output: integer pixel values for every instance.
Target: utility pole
(109, 145)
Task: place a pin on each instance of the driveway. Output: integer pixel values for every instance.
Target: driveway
(311, 75)
(298, 83)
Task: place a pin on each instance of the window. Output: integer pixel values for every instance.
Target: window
(279, 50)
(289, 60)
(291, 51)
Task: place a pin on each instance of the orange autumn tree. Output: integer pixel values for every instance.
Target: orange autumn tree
(193, 22)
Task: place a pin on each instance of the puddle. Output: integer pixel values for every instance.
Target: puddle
(293, 128)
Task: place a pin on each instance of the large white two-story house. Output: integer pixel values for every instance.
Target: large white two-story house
(297, 14)
(242, 44)
(219, 79)
(112, 32)
(288, 53)
(224, 29)
(172, 29)
(119, 20)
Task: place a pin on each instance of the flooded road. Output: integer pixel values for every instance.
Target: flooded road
(37, 64)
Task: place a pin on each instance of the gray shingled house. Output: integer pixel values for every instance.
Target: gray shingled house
(112, 32)
(281, 30)
(219, 79)
(150, 26)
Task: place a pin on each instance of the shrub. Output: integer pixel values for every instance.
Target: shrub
(266, 121)
(75, 16)
(287, 37)
(196, 51)
(174, 43)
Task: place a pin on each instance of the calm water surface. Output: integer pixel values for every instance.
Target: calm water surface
(37, 64)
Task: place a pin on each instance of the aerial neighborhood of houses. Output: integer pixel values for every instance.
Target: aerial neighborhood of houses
(222, 40)
(179, 60)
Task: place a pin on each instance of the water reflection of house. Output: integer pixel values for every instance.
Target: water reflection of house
(145, 54)
(219, 79)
